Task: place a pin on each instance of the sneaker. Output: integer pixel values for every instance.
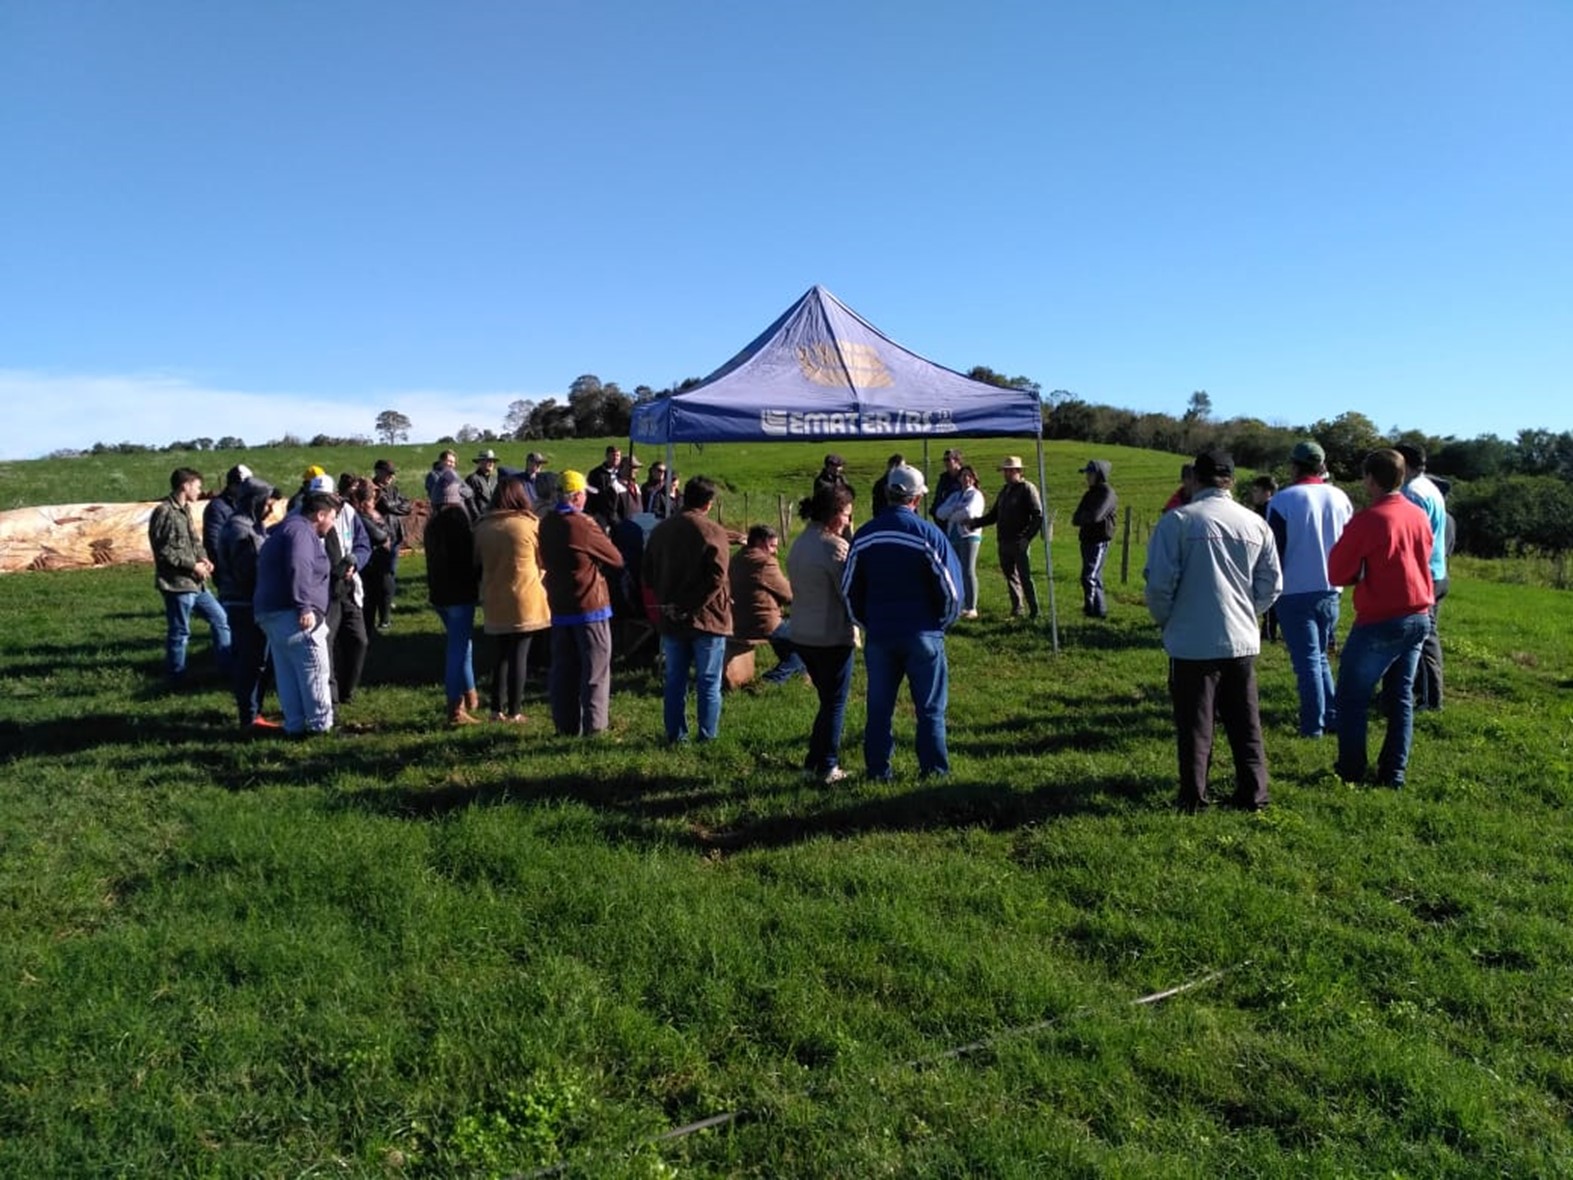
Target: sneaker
(264, 723)
(834, 775)
(969, 614)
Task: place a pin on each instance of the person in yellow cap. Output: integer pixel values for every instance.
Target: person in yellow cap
(576, 554)
(304, 490)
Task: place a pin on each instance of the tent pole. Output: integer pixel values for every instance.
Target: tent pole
(1048, 553)
(926, 469)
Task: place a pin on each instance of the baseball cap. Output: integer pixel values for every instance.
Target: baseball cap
(905, 482)
(322, 483)
(1308, 452)
(313, 471)
(1210, 464)
(239, 473)
(536, 457)
(572, 481)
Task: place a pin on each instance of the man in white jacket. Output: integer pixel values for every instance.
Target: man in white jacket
(1212, 569)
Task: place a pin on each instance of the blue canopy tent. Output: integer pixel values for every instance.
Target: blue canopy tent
(823, 373)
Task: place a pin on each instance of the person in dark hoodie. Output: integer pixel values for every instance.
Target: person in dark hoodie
(1094, 520)
(238, 545)
(220, 508)
(453, 588)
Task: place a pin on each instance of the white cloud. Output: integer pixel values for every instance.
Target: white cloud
(46, 412)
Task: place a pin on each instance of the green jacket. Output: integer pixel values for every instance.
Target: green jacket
(177, 547)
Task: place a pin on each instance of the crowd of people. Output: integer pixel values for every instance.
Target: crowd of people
(597, 560)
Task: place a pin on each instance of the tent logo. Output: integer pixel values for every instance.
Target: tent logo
(838, 363)
(826, 423)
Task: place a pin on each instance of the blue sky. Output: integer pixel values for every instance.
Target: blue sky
(253, 219)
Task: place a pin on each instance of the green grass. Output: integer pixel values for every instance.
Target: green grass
(407, 950)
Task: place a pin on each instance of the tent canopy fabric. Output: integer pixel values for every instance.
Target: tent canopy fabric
(822, 372)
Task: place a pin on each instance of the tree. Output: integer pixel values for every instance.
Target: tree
(467, 434)
(1539, 452)
(1347, 439)
(231, 442)
(989, 377)
(1471, 458)
(392, 427)
(599, 409)
(1199, 408)
(517, 418)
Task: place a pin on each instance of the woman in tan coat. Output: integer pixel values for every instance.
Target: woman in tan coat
(513, 596)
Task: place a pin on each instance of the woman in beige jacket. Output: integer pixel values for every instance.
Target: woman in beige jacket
(513, 597)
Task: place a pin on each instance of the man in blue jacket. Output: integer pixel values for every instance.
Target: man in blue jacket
(291, 604)
(903, 587)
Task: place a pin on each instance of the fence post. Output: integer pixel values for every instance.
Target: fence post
(1125, 549)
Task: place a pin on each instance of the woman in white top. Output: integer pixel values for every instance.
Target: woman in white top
(821, 628)
(956, 510)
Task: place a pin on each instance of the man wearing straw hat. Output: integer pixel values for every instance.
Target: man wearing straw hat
(1018, 513)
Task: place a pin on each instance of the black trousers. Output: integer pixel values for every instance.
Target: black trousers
(1203, 690)
(508, 672)
(347, 643)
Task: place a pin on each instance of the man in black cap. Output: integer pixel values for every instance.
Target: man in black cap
(394, 509)
(830, 476)
(1094, 522)
(1212, 569)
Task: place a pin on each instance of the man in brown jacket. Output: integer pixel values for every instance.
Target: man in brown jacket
(759, 591)
(180, 571)
(574, 551)
(685, 566)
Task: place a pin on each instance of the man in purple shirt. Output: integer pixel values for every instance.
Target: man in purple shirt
(291, 605)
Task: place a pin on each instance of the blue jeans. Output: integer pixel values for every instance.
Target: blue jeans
(300, 667)
(1307, 623)
(178, 608)
(921, 659)
(967, 553)
(1387, 651)
(458, 672)
(788, 662)
(706, 654)
(830, 668)
(1093, 555)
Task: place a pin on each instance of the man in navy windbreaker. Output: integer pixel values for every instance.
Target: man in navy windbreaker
(903, 587)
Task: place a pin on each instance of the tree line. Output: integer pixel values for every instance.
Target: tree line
(1509, 496)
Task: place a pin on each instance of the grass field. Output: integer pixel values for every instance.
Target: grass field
(403, 950)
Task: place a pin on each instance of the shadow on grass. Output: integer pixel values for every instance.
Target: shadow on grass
(632, 805)
(942, 805)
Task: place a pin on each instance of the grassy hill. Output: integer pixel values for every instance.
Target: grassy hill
(407, 950)
(759, 469)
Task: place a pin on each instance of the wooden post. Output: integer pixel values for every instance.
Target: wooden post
(1125, 549)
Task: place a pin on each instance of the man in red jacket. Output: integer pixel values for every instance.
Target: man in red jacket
(1385, 554)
